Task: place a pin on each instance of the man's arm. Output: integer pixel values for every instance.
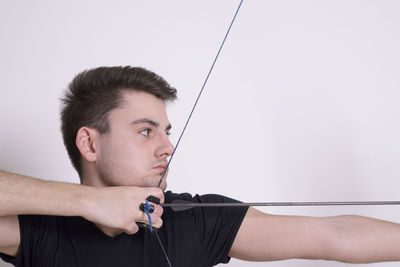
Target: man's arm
(111, 208)
(355, 239)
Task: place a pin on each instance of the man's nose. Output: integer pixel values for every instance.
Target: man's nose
(166, 148)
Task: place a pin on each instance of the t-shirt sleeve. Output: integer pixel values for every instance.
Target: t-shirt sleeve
(218, 226)
(10, 259)
(7, 258)
(36, 241)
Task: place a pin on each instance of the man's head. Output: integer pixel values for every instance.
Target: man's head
(102, 102)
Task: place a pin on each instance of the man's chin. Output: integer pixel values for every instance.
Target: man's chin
(155, 183)
(163, 186)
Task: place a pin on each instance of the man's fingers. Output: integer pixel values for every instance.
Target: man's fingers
(156, 192)
(153, 199)
(156, 221)
(158, 210)
(151, 208)
(132, 228)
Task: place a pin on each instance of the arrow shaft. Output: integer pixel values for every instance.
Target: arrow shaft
(281, 204)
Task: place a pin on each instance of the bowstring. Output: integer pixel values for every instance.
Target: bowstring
(190, 116)
(163, 249)
(200, 93)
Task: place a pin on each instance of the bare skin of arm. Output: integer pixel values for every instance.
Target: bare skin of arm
(112, 209)
(353, 239)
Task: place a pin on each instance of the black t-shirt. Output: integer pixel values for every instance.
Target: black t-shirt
(195, 237)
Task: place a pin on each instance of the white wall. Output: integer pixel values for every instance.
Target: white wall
(302, 105)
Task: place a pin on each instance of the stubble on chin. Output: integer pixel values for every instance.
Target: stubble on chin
(154, 183)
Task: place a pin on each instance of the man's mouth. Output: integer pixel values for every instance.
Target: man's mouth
(161, 168)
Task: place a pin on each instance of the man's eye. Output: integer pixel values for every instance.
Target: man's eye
(145, 132)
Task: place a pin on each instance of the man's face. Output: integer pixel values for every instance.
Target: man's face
(136, 149)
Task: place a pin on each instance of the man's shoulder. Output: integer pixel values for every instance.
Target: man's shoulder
(171, 196)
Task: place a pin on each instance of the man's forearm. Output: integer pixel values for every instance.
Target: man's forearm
(355, 239)
(24, 195)
(363, 240)
(114, 207)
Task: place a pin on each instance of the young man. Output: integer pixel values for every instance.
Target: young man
(115, 129)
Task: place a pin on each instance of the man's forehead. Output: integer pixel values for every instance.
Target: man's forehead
(141, 105)
(141, 100)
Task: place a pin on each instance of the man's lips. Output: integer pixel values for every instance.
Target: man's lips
(160, 168)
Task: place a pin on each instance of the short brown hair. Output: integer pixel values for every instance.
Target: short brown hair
(94, 93)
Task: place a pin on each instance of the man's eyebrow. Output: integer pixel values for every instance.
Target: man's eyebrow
(151, 122)
(148, 121)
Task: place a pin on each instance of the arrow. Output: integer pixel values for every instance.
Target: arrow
(182, 205)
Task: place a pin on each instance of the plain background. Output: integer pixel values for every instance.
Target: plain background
(302, 104)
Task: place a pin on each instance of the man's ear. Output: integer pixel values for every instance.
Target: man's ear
(86, 142)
